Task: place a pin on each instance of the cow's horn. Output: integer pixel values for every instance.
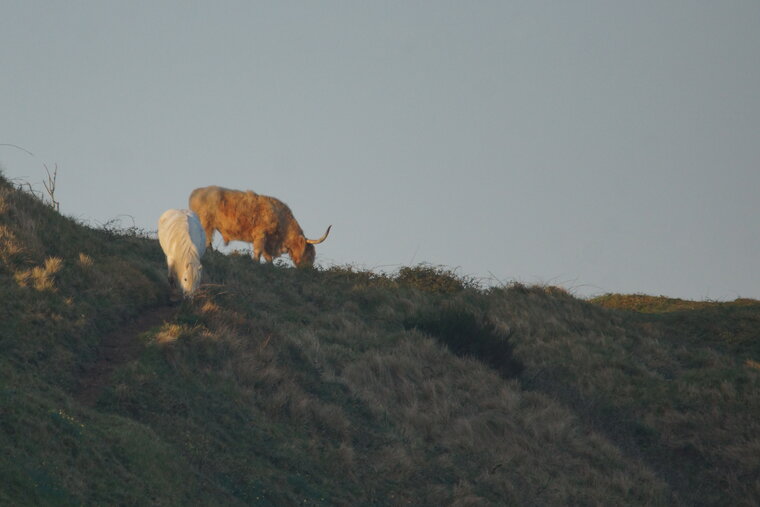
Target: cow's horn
(320, 240)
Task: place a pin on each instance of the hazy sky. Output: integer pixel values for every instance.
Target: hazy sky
(604, 146)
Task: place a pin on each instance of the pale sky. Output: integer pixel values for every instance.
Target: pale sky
(603, 146)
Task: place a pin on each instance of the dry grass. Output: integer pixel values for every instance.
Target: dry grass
(493, 442)
(40, 277)
(85, 261)
(661, 304)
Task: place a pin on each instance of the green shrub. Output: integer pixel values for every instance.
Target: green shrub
(434, 279)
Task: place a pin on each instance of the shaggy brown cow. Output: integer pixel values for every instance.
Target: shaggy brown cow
(264, 221)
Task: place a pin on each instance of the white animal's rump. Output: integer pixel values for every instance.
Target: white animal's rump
(183, 240)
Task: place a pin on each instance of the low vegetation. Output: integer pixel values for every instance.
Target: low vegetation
(280, 386)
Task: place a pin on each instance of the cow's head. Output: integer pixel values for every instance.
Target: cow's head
(304, 253)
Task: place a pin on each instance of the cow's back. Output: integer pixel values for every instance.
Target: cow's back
(236, 214)
(205, 200)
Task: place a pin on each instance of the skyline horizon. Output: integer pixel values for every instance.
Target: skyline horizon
(607, 147)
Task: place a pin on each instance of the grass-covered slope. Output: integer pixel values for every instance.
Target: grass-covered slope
(62, 286)
(278, 386)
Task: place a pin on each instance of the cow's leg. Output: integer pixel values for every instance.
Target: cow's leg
(209, 236)
(259, 244)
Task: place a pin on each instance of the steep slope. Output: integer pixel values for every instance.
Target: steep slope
(63, 287)
(116, 348)
(330, 394)
(282, 386)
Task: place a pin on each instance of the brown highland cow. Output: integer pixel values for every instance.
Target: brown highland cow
(264, 221)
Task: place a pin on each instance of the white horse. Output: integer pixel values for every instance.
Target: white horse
(183, 240)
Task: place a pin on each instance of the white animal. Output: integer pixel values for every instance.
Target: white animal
(183, 240)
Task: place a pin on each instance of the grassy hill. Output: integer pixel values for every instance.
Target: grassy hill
(278, 386)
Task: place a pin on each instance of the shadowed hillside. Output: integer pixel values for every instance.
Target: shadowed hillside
(278, 386)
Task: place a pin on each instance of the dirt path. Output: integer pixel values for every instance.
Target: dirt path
(117, 348)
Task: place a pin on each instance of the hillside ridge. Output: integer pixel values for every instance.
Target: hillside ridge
(335, 386)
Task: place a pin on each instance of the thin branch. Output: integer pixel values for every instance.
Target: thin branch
(25, 186)
(50, 186)
(18, 148)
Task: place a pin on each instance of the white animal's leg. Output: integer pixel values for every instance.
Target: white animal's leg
(170, 271)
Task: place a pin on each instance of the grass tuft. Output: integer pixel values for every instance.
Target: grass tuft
(41, 278)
